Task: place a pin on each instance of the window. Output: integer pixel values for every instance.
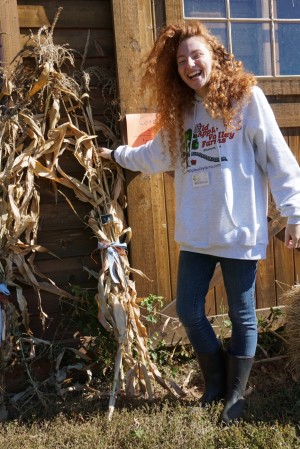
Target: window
(264, 34)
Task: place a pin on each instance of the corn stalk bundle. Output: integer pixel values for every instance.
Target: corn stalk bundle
(292, 311)
(45, 113)
(7, 326)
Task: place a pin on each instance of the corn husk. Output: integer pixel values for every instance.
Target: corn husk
(33, 137)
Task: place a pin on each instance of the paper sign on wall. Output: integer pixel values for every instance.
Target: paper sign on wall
(140, 128)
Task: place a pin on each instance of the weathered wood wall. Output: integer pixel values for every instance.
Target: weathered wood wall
(151, 204)
(9, 29)
(275, 275)
(76, 20)
(121, 32)
(60, 229)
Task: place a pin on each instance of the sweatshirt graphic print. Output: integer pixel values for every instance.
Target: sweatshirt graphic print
(222, 188)
(202, 143)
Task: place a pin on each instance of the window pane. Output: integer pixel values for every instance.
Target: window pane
(208, 8)
(288, 38)
(219, 30)
(287, 9)
(251, 44)
(249, 8)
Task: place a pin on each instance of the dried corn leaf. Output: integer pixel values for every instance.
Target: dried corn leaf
(33, 138)
(42, 81)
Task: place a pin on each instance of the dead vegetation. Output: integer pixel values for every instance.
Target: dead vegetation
(44, 113)
(292, 298)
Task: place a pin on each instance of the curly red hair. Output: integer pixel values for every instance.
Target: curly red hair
(228, 88)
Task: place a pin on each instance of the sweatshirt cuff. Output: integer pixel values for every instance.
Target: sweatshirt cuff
(294, 220)
(115, 155)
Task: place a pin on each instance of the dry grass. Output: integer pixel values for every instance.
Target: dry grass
(79, 419)
(45, 113)
(271, 421)
(292, 311)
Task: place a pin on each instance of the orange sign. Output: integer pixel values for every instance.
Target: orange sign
(140, 128)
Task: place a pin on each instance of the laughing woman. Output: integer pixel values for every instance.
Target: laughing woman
(217, 132)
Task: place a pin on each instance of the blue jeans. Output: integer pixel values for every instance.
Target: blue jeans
(194, 274)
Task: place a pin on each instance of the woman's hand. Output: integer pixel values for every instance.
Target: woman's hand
(292, 236)
(105, 153)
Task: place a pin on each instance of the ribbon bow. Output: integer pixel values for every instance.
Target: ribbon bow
(3, 291)
(113, 250)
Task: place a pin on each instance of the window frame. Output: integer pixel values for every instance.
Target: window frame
(271, 21)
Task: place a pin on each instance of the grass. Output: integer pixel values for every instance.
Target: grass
(79, 420)
(160, 426)
(271, 421)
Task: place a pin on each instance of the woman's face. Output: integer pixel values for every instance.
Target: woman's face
(194, 62)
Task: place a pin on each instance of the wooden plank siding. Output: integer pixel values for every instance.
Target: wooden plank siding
(77, 19)
(150, 249)
(60, 229)
(122, 31)
(277, 272)
(9, 29)
(281, 269)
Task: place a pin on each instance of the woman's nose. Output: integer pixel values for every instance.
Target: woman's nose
(190, 62)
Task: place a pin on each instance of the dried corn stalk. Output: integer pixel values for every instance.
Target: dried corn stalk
(34, 135)
(7, 325)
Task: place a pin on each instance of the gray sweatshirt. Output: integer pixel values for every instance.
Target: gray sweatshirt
(222, 188)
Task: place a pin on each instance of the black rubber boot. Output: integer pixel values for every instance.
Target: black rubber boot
(213, 368)
(238, 371)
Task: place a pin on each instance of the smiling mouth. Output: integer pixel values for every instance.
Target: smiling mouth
(194, 74)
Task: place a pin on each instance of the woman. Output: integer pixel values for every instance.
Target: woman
(217, 132)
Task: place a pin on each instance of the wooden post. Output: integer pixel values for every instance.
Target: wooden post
(9, 34)
(134, 27)
(173, 11)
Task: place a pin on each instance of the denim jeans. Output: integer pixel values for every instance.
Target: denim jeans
(194, 274)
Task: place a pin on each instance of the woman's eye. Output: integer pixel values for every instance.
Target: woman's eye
(181, 62)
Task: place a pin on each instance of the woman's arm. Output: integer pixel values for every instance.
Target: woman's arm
(276, 160)
(149, 158)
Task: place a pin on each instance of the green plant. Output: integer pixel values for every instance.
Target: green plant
(160, 353)
(158, 350)
(96, 340)
(152, 304)
(265, 323)
(268, 340)
(225, 323)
